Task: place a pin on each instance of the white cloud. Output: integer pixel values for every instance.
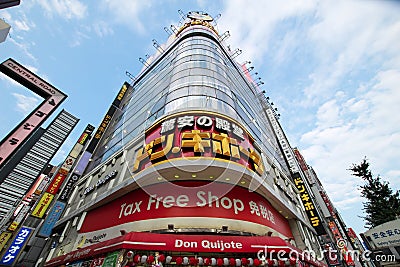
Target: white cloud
(368, 125)
(102, 29)
(127, 12)
(25, 104)
(349, 36)
(68, 9)
(252, 26)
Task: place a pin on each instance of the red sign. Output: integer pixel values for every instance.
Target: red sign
(56, 183)
(187, 243)
(187, 199)
(198, 135)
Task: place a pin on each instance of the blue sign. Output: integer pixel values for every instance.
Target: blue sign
(16, 246)
(51, 219)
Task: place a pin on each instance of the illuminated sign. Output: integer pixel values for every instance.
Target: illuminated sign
(56, 183)
(16, 246)
(308, 205)
(42, 205)
(198, 135)
(100, 182)
(187, 199)
(53, 98)
(51, 219)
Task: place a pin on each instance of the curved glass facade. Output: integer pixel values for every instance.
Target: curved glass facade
(194, 73)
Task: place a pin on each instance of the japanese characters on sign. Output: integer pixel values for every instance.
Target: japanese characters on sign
(16, 246)
(52, 99)
(287, 150)
(308, 205)
(42, 205)
(194, 135)
(107, 118)
(186, 199)
(386, 234)
(51, 219)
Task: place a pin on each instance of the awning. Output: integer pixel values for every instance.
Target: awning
(183, 243)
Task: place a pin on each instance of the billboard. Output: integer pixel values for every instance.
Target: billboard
(107, 118)
(52, 99)
(308, 205)
(4, 237)
(297, 175)
(42, 205)
(385, 235)
(199, 200)
(200, 134)
(51, 219)
(60, 176)
(16, 246)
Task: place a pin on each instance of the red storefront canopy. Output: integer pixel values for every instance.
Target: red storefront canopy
(186, 243)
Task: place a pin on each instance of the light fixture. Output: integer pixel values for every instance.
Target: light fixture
(194, 175)
(243, 182)
(176, 176)
(159, 178)
(227, 179)
(211, 177)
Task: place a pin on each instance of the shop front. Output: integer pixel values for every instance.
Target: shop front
(153, 249)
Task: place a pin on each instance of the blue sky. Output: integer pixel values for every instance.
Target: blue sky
(332, 68)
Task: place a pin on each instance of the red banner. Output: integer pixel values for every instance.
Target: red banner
(187, 243)
(187, 199)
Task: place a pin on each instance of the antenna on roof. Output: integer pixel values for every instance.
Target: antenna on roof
(174, 29)
(215, 19)
(224, 36)
(182, 14)
(157, 46)
(167, 31)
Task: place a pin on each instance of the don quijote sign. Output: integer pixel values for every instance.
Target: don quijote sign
(199, 135)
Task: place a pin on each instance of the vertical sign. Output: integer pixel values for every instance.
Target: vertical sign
(61, 174)
(51, 219)
(16, 246)
(52, 99)
(304, 194)
(107, 118)
(4, 237)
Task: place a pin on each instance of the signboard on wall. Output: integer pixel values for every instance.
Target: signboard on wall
(385, 235)
(52, 99)
(16, 246)
(187, 199)
(198, 134)
(51, 219)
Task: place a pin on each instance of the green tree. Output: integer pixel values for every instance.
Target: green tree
(382, 204)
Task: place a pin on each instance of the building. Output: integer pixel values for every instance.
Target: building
(189, 167)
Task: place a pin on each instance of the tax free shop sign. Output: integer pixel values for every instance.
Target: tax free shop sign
(194, 199)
